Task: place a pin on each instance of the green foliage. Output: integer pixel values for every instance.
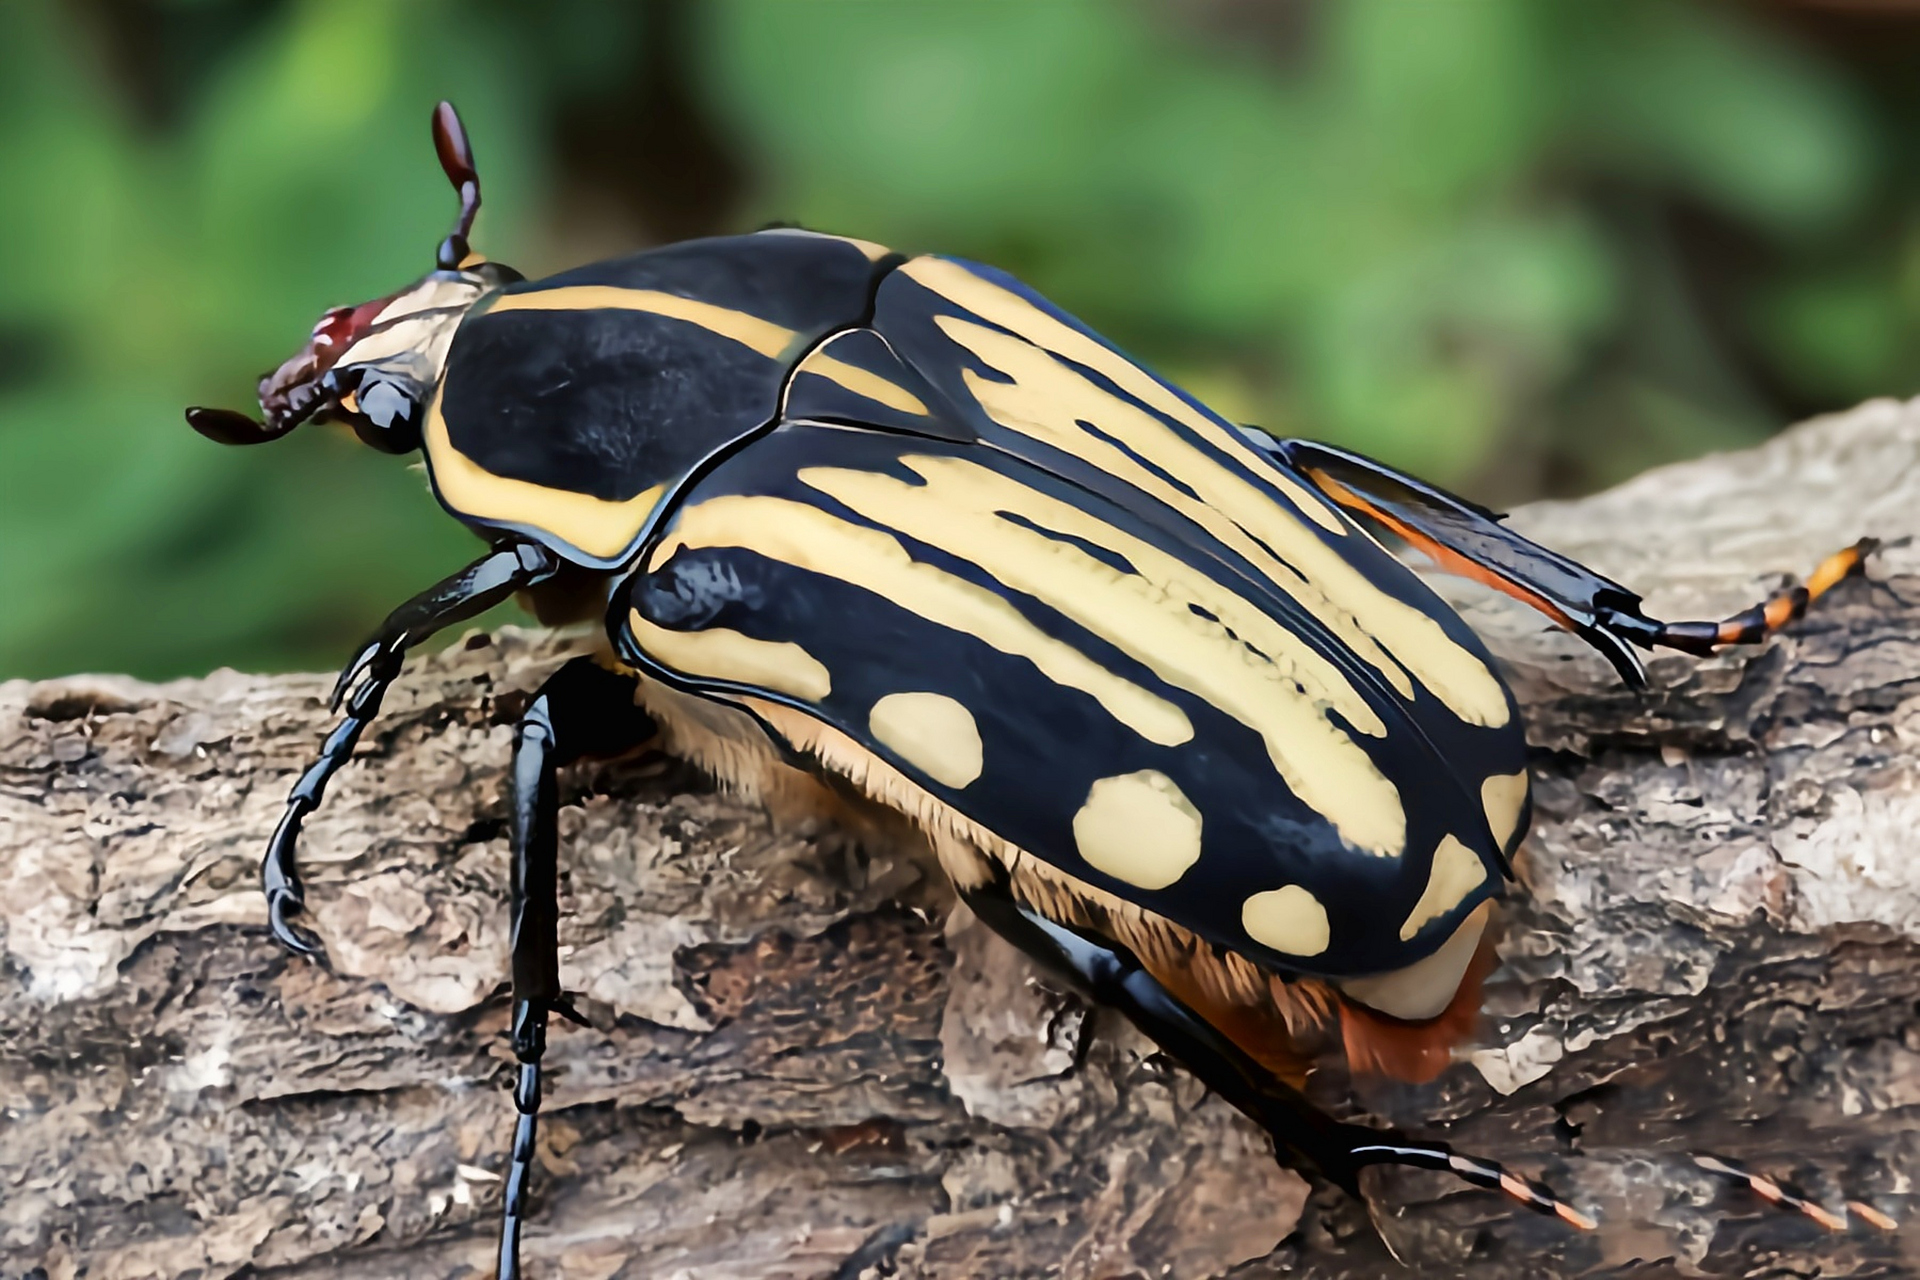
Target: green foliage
(1467, 237)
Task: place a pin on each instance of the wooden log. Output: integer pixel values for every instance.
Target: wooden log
(801, 1066)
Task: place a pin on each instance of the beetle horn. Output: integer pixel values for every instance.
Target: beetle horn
(456, 158)
(225, 426)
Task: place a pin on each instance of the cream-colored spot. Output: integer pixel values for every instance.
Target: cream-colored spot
(721, 654)
(808, 538)
(1288, 919)
(1426, 987)
(764, 336)
(1139, 828)
(1457, 871)
(1503, 796)
(933, 733)
(1190, 631)
(601, 528)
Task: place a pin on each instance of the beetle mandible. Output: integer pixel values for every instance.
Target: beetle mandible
(1176, 723)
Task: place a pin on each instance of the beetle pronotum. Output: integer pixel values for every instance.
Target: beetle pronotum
(1176, 723)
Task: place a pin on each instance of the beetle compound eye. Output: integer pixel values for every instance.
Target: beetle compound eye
(388, 418)
(384, 405)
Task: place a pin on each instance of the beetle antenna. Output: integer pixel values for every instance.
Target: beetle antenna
(456, 158)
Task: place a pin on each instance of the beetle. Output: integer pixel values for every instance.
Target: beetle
(1176, 721)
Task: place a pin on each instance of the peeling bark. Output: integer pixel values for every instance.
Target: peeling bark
(801, 1067)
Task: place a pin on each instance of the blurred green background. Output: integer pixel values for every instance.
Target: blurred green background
(1520, 247)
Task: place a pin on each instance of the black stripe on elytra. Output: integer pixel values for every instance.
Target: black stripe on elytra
(1105, 555)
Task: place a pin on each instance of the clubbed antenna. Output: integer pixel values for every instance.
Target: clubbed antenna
(456, 157)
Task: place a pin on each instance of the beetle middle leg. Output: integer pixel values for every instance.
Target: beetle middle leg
(1464, 538)
(1114, 977)
(583, 709)
(362, 684)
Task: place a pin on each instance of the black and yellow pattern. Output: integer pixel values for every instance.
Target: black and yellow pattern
(1173, 723)
(1080, 610)
(572, 404)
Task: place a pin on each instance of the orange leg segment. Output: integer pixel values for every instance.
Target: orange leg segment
(1468, 540)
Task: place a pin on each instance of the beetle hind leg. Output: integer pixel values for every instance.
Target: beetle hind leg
(1112, 976)
(583, 709)
(1377, 1148)
(1786, 1196)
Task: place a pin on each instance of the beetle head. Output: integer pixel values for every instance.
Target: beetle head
(375, 366)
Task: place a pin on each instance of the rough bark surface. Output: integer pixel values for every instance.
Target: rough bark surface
(801, 1067)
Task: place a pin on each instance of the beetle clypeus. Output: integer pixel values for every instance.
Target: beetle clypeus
(1177, 725)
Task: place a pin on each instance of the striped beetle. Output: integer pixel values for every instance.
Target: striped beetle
(1175, 722)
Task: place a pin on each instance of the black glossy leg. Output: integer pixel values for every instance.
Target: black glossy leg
(1469, 540)
(362, 684)
(583, 709)
(1114, 977)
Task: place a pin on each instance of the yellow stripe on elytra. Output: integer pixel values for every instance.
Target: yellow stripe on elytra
(1240, 659)
(769, 339)
(863, 382)
(721, 654)
(1009, 310)
(1046, 398)
(804, 536)
(600, 527)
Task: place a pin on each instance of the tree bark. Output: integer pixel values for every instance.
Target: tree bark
(800, 1066)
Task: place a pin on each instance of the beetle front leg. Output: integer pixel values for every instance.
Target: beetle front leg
(1114, 977)
(362, 684)
(583, 709)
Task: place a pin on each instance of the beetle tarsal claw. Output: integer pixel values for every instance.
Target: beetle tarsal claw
(280, 907)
